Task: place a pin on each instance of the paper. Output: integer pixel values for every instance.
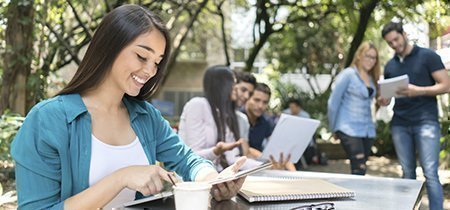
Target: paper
(291, 135)
(241, 173)
(149, 198)
(389, 87)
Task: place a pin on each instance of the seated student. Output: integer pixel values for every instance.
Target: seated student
(311, 154)
(261, 128)
(296, 109)
(245, 84)
(214, 135)
(96, 143)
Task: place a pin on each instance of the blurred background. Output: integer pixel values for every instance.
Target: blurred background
(297, 47)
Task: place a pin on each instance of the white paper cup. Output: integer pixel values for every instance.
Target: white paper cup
(192, 195)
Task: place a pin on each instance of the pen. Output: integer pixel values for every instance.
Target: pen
(171, 180)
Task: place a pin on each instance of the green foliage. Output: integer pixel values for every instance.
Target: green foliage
(437, 15)
(316, 106)
(444, 155)
(312, 47)
(9, 125)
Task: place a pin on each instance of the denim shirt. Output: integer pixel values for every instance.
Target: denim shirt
(349, 106)
(52, 149)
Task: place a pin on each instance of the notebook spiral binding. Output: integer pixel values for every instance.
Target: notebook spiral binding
(303, 197)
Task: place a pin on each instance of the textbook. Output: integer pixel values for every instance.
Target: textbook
(261, 189)
(291, 135)
(389, 87)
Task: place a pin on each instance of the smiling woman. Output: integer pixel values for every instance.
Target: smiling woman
(138, 62)
(126, 32)
(96, 143)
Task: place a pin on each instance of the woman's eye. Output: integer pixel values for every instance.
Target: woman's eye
(141, 58)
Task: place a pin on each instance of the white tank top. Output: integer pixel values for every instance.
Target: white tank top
(105, 159)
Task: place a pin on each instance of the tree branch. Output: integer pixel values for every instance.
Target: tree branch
(65, 44)
(77, 17)
(364, 16)
(180, 38)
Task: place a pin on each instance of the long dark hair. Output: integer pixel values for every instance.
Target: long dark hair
(117, 30)
(218, 85)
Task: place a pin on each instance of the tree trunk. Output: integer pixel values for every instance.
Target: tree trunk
(18, 56)
(255, 51)
(177, 42)
(364, 16)
(224, 38)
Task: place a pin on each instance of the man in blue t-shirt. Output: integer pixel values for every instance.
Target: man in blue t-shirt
(261, 128)
(256, 106)
(415, 125)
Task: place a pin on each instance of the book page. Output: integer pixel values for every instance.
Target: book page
(389, 87)
(291, 135)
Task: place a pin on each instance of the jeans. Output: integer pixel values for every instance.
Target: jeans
(423, 138)
(358, 151)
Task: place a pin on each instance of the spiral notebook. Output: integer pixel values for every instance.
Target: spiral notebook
(258, 189)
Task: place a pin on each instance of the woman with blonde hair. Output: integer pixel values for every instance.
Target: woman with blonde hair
(349, 106)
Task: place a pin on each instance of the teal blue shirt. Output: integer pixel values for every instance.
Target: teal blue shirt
(52, 149)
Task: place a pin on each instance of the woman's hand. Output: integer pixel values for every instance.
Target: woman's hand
(145, 179)
(227, 190)
(383, 101)
(245, 146)
(222, 147)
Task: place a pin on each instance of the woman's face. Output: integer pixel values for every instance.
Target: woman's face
(368, 59)
(138, 62)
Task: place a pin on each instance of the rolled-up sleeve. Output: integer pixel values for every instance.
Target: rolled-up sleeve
(174, 153)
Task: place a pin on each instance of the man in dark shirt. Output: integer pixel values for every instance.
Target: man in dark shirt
(415, 125)
(256, 106)
(260, 127)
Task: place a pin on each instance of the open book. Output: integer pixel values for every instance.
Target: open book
(389, 87)
(256, 189)
(291, 135)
